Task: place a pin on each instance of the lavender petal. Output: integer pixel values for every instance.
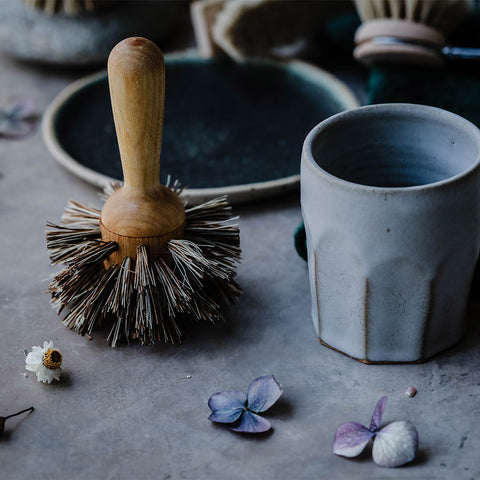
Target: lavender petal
(227, 406)
(350, 439)
(395, 444)
(252, 423)
(226, 416)
(20, 107)
(263, 392)
(411, 391)
(378, 414)
(15, 128)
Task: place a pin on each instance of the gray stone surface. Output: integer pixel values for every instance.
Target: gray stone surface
(137, 412)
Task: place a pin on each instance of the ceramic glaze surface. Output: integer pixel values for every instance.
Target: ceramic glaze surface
(392, 221)
(219, 137)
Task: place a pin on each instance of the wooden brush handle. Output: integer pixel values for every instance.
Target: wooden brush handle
(142, 212)
(390, 40)
(136, 77)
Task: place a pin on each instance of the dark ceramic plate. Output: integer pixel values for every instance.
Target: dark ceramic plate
(229, 128)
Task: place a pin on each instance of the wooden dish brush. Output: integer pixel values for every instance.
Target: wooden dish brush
(145, 261)
(409, 31)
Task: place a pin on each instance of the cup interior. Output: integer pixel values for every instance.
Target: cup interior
(396, 145)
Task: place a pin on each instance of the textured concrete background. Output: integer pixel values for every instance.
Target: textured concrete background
(141, 412)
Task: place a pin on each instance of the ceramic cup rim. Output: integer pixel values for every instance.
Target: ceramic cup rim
(395, 109)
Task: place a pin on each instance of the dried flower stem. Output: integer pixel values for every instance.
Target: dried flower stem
(31, 409)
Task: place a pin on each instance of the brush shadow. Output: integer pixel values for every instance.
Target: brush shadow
(278, 202)
(221, 331)
(235, 327)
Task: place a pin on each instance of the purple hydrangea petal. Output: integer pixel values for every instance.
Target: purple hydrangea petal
(20, 107)
(17, 117)
(227, 406)
(263, 392)
(411, 391)
(252, 423)
(350, 439)
(378, 414)
(395, 444)
(226, 416)
(228, 399)
(15, 128)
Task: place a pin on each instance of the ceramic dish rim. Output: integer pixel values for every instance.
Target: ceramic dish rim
(390, 109)
(236, 193)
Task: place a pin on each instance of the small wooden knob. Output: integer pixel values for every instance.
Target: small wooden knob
(406, 42)
(143, 211)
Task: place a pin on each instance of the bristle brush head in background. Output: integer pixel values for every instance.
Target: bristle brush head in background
(65, 7)
(255, 28)
(406, 31)
(443, 15)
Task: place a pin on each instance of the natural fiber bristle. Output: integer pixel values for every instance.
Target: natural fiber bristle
(254, 28)
(145, 299)
(65, 7)
(443, 15)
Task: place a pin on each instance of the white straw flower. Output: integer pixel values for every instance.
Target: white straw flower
(45, 362)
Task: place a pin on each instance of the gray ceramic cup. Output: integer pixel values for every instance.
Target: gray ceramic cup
(391, 204)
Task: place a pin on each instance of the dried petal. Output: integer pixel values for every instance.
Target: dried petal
(263, 392)
(20, 107)
(227, 407)
(16, 117)
(350, 439)
(395, 444)
(378, 414)
(15, 128)
(411, 391)
(252, 423)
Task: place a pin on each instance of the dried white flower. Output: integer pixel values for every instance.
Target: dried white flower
(45, 362)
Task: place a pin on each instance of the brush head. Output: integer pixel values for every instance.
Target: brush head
(406, 31)
(144, 298)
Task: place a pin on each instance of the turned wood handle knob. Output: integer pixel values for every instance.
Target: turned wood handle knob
(142, 212)
(136, 77)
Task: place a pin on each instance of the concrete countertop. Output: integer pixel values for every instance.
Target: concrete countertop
(141, 412)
